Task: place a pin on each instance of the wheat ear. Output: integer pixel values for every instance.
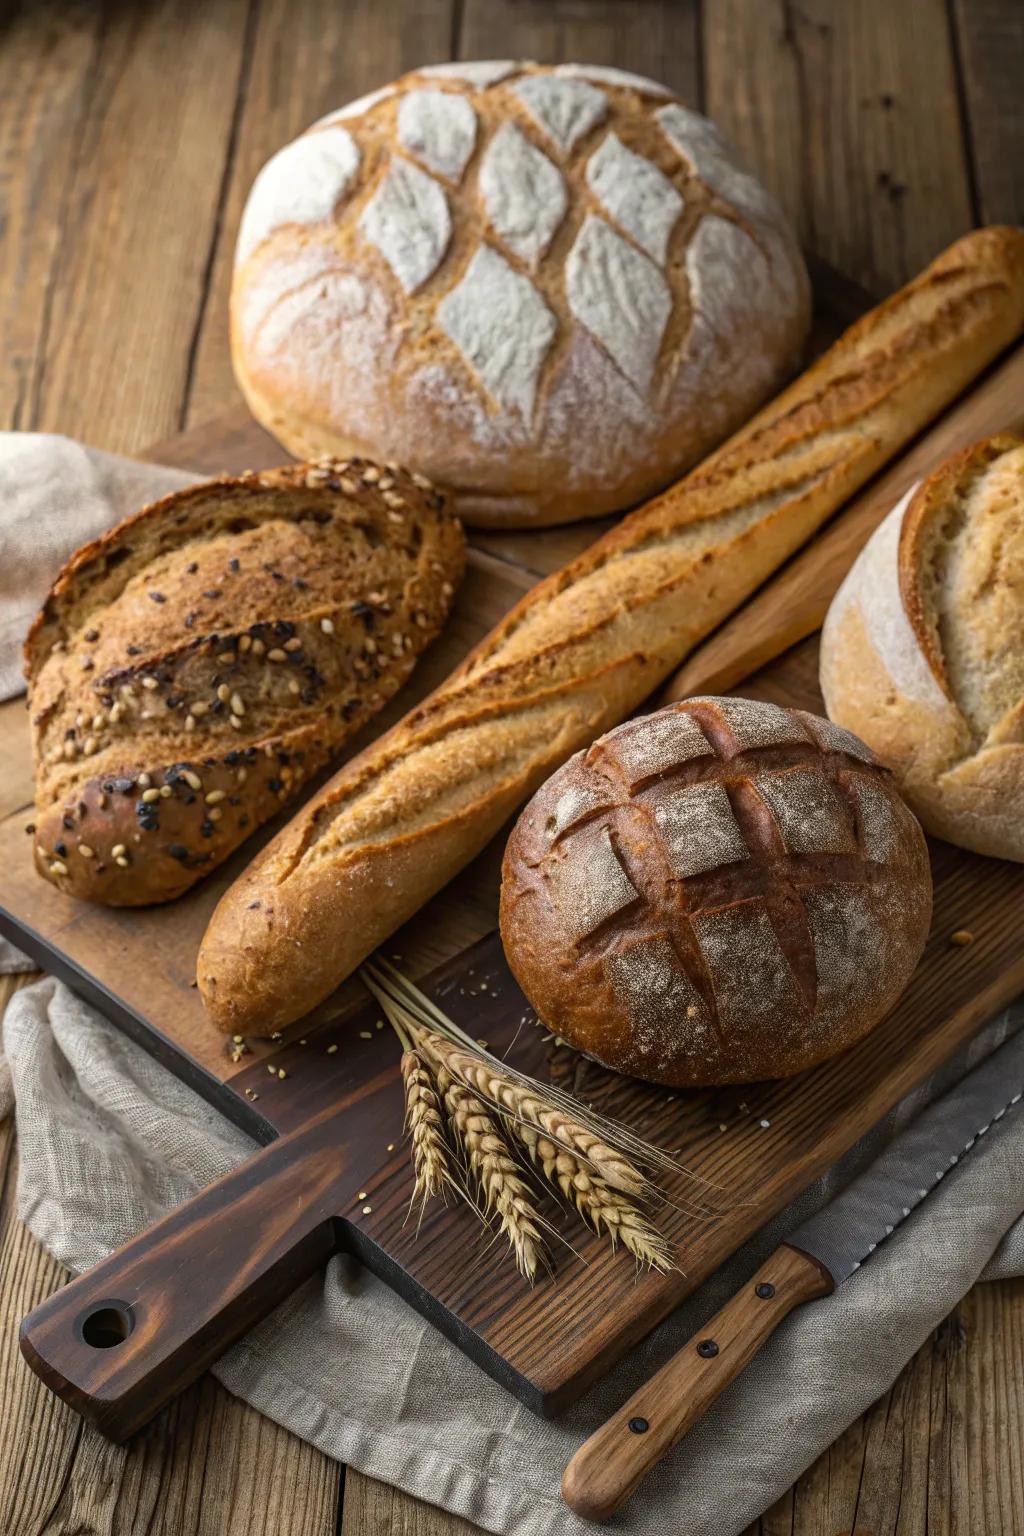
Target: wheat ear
(425, 1126)
(519, 1104)
(603, 1209)
(494, 1172)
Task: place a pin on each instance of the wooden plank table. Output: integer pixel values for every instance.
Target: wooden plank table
(128, 138)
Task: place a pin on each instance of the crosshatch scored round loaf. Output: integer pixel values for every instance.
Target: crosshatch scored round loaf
(719, 892)
(551, 290)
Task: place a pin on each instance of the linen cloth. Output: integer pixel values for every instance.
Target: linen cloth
(109, 1141)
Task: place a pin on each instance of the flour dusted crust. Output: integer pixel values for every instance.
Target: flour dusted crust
(549, 289)
(922, 651)
(719, 892)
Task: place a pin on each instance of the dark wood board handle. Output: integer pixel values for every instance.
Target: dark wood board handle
(124, 1338)
(609, 1466)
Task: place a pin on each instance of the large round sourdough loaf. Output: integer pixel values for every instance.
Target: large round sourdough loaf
(196, 665)
(551, 290)
(719, 892)
(922, 652)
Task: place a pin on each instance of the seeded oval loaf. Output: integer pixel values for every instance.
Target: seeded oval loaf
(550, 289)
(194, 666)
(719, 892)
(923, 648)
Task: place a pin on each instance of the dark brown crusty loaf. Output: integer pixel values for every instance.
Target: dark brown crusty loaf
(590, 643)
(719, 892)
(193, 667)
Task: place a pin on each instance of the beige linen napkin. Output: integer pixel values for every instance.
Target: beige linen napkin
(109, 1141)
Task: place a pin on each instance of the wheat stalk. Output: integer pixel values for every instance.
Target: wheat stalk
(425, 1127)
(603, 1209)
(494, 1172)
(524, 1105)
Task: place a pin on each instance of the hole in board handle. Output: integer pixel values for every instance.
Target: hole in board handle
(106, 1324)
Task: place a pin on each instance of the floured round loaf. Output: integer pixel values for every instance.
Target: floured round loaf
(922, 652)
(719, 892)
(551, 290)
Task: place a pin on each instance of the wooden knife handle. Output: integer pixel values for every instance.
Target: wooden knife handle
(121, 1340)
(617, 1457)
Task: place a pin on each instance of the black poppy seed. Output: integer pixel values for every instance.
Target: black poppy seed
(300, 585)
(243, 820)
(190, 798)
(60, 848)
(192, 567)
(325, 517)
(217, 707)
(366, 613)
(283, 757)
(234, 564)
(212, 592)
(206, 829)
(274, 785)
(276, 576)
(349, 708)
(30, 828)
(250, 754)
(253, 905)
(68, 823)
(174, 699)
(157, 597)
(234, 799)
(284, 628)
(178, 851)
(91, 635)
(190, 619)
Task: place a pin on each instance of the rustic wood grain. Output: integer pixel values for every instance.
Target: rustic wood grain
(958, 1409)
(990, 39)
(849, 114)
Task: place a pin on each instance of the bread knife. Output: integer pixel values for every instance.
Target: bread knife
(816, 1258)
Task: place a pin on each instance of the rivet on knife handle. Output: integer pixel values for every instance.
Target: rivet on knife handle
(617, 1457)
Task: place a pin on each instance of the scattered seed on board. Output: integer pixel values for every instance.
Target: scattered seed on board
(390, 1146)
(281, 1072)
(331, 1050)
(367, 1209)
(272, 1070)
(961, 937)
(365, 1034)
(765, 1124)
(361, 1195)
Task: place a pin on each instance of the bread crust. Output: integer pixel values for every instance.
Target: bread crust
(720, 892)
(586, 291)
(193, 667)
(923, 648)
(586, 646)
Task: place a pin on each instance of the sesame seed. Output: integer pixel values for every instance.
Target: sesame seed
(387, 482)
(367, 1210)
(200, 707)
(327, 625)
(165, 791)
(390, 1146)
(370, 646)
(392, 499)
(281, 1072)
(149, 795)
(227, 657)
(347, 486)
(87, 663)
(258, 647)
(371, 475)
(235, 721)
(149, 682)
(223, 692)
(294, 644)
(121, 861)
(244, 642)
(215, 814)
(365, 1034)
(362, 1194)
(765, 1124)
(116, 711)
(57, 868)
(192, 779)
(331, 1050)
(272, 1070)
(215, 796)
(86, 851)
(394, 517)
(379, 1024)
(422, 481)
(723, 1127)
(190, 722)
(276, 654)
(294, 685)
(89, 745)
(238, 1039)
(241, 775)
(237, 704)
(118, 851)
(376, 597)
(99, 721)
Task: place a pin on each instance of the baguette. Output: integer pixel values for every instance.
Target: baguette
(588, 645)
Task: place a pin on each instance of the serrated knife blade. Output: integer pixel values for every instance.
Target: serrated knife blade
(817, 1257)
(862, 1216)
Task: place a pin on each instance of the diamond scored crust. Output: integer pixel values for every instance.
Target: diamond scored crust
(493, 312)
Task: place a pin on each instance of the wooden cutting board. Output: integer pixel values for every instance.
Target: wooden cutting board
(758, 1145)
